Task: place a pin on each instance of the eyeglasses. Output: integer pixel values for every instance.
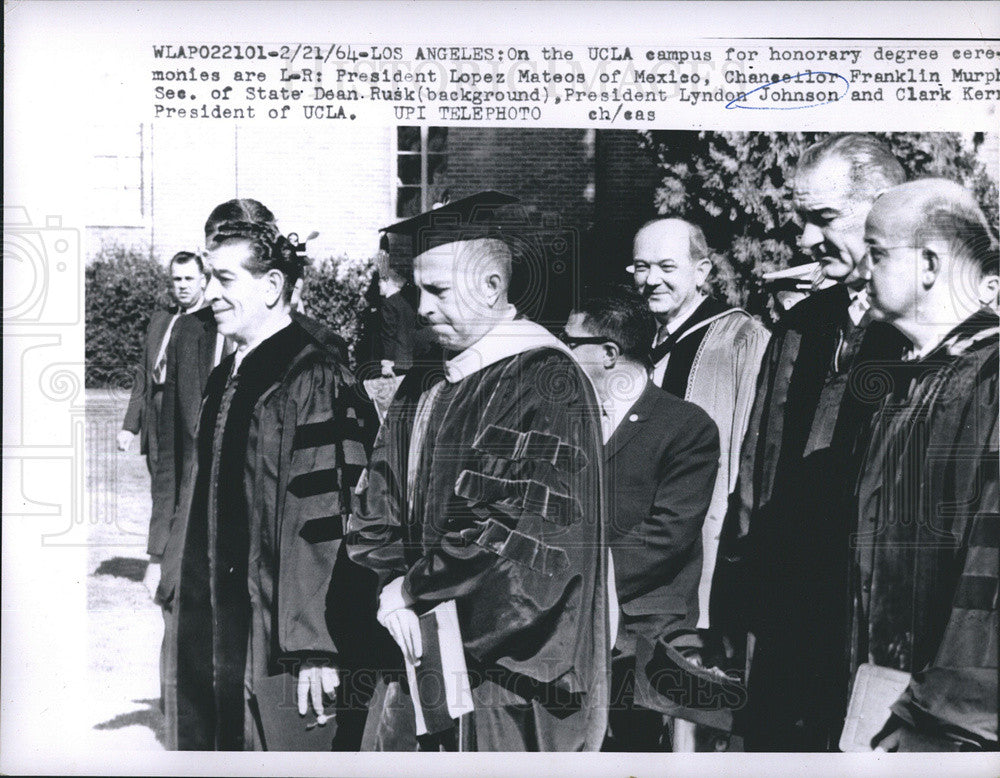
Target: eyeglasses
(573, 342)
(880, 252)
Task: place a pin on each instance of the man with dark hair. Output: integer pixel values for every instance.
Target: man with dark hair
(661, 455)
(784, 556)
(485, 490)
(925, 580)
(708, 352)
(263, 580)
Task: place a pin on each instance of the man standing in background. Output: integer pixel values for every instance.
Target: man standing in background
(790, 525)
(661, 458)
(706, 352)
(404, 339)
(187, 287)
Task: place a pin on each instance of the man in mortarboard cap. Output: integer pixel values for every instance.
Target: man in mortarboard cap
(485, 489)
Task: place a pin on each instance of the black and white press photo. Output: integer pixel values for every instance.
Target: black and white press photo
(633, 397)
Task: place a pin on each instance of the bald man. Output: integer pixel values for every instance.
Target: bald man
(785, 544)
(485, 489)
(925, 600)
(708, 352)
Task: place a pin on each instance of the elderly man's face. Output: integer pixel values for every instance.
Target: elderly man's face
(456, 296)
(894, 289)
(241, 302)
(834, 221)
(663, 269)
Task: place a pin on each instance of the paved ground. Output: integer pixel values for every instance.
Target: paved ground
(124, 625)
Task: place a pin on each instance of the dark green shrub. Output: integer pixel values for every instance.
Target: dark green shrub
(122, 289)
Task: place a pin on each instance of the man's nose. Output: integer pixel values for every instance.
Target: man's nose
(212, 289)
(811, 236)
(655, 276)
(426, 304)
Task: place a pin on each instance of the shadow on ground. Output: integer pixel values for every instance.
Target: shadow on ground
(123, 567)
(149, 717)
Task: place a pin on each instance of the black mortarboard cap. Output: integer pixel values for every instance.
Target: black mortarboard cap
(481, 215)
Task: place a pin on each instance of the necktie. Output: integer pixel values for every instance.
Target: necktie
(607, 420)
(664, 347)
(160, 365)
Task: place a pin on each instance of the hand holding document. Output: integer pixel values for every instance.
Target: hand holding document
(439, 684)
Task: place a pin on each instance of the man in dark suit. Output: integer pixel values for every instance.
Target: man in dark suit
(404, 339)
(187, 287)
(662, 456)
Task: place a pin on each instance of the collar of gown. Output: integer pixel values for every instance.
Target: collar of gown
(508, 338)
(270, 329)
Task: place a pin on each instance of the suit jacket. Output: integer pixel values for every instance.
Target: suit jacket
(661, 464)
(190, 358)
(140, 416)
(404, 339)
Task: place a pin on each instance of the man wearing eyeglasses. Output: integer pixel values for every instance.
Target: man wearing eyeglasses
(785, 545)
(926, 560)
(661, 455)
(705, 351)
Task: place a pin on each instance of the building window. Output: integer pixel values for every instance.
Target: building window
(117, 178)
(421, 163)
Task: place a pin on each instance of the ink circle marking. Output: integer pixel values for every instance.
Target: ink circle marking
(735, 103)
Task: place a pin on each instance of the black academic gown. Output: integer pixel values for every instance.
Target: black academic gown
(506, 521)
(925, 567)
(790, 523)
(279, 450)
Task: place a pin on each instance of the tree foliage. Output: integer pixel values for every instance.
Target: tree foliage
(122, 288)
(737, 187)
(333, 292)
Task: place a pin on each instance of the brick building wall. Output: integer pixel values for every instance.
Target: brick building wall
(626, 179)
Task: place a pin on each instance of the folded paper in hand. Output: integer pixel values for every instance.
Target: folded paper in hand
(874, 692)
(439, 685)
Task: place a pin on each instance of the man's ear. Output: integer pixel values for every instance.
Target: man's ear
(611, 354)
(930, 265)
(275, 287)
(703, 269)
(492, 287)
(989, 291)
